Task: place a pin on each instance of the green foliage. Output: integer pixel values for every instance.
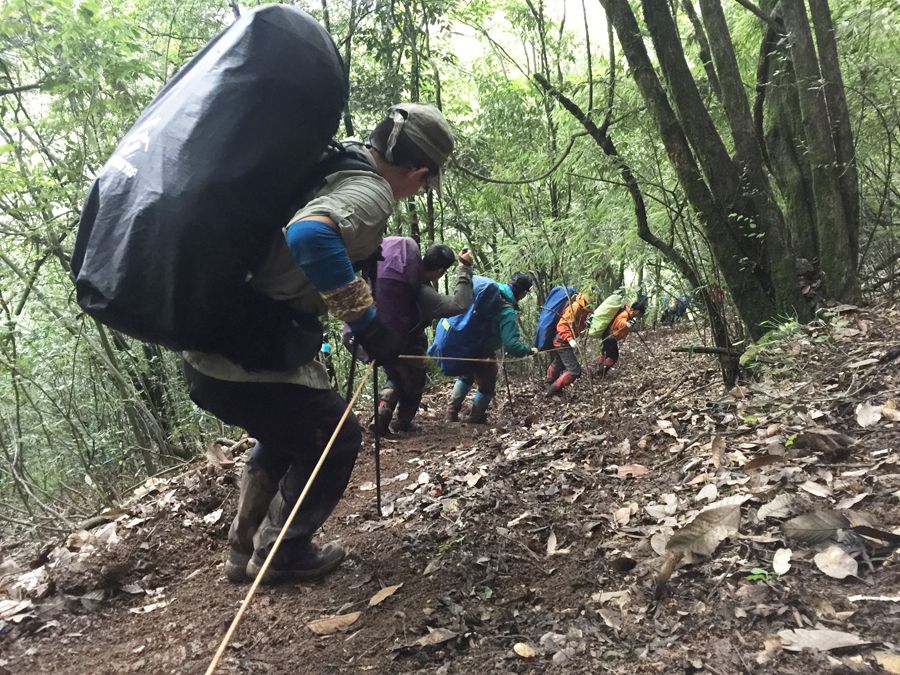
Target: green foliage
(84, 415)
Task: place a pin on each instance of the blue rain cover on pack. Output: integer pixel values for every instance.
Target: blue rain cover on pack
(464, 335)
(551, 312)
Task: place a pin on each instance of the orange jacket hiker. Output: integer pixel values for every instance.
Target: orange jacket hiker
(619, 328)
(573, 320)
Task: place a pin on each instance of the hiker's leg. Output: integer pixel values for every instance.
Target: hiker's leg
(571, 372)
(316, 414)
(486, 377)
(460, 390)
(241, 404)
(556, 367)
(569, 359)
(388, 397)
(411, 396)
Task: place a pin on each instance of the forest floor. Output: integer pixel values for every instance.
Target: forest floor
(539, 543)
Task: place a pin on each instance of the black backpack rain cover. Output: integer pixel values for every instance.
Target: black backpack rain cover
(189, 204)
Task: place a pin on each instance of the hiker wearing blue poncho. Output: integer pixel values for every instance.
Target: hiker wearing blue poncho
(502, 331)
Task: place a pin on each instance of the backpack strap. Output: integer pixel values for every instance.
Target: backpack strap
(338, 156)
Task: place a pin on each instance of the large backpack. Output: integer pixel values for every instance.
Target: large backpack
(189, 205)
(551, 312)
(464, 335)
(605, 313)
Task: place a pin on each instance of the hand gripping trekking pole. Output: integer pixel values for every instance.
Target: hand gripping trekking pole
(290, 519)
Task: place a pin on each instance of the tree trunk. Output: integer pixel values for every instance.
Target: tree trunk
(749, 156)
(841, 131)
(836, 251)
(753, 300)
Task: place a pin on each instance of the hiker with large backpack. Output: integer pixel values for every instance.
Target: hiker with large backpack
(612, 322)
(489, 324)
(407, 302)
(564, 367)
(225, 223)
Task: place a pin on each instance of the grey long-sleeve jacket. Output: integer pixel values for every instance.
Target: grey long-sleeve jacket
(432, 305)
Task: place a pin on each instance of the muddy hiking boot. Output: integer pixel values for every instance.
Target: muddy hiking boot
(478, 414)
(257, 490)
(383, 419)
(452, 414)
(307, 562)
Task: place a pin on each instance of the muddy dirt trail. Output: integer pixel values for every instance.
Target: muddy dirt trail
(536, 544)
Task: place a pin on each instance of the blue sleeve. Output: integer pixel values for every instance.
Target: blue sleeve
(320, 252)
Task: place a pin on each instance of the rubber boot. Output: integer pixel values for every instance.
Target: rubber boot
(552, 373)
(561, 383)
(257, 490)
(457, 396)
(383, 419)
(310, 563)
(478, 414)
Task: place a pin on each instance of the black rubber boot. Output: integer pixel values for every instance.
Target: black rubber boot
(299, 563)
(257, 490)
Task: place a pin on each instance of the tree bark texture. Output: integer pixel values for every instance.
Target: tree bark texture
(836, 250)
(751, 164)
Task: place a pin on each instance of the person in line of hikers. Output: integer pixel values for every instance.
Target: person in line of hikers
(407, 302)
(673, 313)
(499, 329)
(615, 330)
(293, 413)
(564, 366)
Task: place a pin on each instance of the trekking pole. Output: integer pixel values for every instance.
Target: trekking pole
(287, 523)
(352, 370)
(377, 440)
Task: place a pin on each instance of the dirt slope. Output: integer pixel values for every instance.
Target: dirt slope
(535, 545)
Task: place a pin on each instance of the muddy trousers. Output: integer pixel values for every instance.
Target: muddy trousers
(292, 424)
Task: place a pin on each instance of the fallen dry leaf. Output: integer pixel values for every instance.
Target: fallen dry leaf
(552, 546)
(149, 608)
(705, 532)
(781, 562)
(761, 461)
(329, 625)
(383, 594)
(850, 502)
(816, 489)
(524, 650)
(621, 516)
(217, 458)
(9, 608)
(816, 526)
(890, 662)
(836, 562)
(633, 470)
(717, 450)
(213, 518)
(867, 414)
(779, 507)
(821, 639)
(709, 492)
(435, 636)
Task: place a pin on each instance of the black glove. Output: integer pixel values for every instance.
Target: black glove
(380, 342)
